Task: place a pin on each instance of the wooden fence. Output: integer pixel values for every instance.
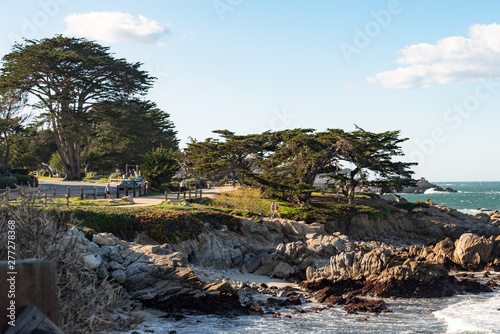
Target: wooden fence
(47, 195)
(178, 196)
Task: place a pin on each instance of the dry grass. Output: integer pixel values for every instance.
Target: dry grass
(243, 198)
(86, 304)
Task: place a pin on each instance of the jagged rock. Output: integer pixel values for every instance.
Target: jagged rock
(91, 261)
(355, 305)
(323, 246)
(282, 270)
(483, 217)
(471, 249)
(223, 287)
(119, 276)
(354, 265)
(116, 266)
(253, 264)
(106, 239)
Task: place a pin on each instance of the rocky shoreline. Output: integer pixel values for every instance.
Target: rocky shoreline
(423, 185)
(401, 254)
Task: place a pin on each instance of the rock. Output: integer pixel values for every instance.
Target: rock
(401, 200)
(355, 305)
(223, 287)
(355, 265)
(483, 217)
(116, 266)
(389, 198)
(265, 270)
(282, 270)
(119, 276)
(106, 239)
(253, 264)
(127, 198)
(91, 261)
(471, 249)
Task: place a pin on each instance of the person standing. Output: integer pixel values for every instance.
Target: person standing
(273, 206)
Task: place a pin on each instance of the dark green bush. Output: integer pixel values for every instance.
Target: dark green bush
(167, 226)
(8, 181)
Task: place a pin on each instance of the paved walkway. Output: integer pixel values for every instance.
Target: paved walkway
(157, 199)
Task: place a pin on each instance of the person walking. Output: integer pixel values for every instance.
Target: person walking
(272, 209)
(107, 191)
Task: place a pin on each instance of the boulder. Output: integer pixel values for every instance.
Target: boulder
(119, 276)
(91, 261)
(104, 239)
(356, 265)
(472, 249)
(282, 270)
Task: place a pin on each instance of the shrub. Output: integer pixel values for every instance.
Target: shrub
(42, 172)
(8, 181)
(85, 302)
(115, 176)
(167, 226)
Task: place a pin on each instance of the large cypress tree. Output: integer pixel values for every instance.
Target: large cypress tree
(68, 77)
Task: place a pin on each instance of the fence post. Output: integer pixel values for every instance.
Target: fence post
(178, 195)
(44, 200)
(117, 192)
(35, 284)
(69, 192)
(67, 200)
(81, 192)
(126, 190)
(189, 193)
(95, 192)
(201, 194)
(134, 189)
(54, 191)
(166, 195)
(140, 190)
(5, 197)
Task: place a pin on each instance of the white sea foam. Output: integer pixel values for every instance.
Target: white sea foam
(475, 314)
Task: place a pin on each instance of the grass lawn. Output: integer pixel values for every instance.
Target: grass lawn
(76, 202)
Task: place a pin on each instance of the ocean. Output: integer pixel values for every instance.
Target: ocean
(471, 197)
(468, 313)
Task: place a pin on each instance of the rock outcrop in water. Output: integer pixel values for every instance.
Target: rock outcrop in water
(423, 185)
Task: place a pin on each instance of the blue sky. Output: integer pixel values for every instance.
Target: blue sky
(429, 69)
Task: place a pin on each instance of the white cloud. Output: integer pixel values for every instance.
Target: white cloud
(451, 60)
(113, 27)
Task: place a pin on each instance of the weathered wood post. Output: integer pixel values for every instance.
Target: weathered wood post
(201, 194)
(44, 200)
(178, 195)
(117, 192)
(81, 192)
(126, 190)
(140, 190)
(6, 197)
(69, 192)
(27, 282)
(189, 193)
(166, 195)
(67, 200)
(54, 192)
(95, 192)
(133, 187)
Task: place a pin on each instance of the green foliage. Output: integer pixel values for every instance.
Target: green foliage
(111, 220)
(8, 181)
(159, 167)
(56, 165)
(115, 176)
(168, 226)
(69, 78)
(117, 139)
(43, 173)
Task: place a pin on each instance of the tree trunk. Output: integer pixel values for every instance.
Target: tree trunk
(351, 191)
